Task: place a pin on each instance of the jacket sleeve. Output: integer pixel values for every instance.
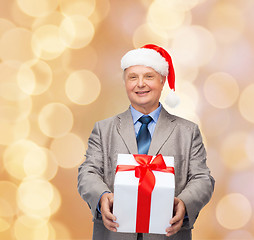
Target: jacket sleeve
(91, 172)
(200, 185)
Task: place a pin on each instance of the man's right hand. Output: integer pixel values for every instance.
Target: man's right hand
(106, 208)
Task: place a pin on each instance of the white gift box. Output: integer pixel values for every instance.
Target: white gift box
(126, 196)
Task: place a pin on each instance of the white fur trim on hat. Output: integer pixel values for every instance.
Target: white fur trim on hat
(145, 57)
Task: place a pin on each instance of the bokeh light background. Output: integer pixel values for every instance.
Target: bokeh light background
(60, 72)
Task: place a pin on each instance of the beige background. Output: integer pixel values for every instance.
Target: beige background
(60, 72)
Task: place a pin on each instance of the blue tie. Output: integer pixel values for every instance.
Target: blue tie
(144, 136)
(143, 141)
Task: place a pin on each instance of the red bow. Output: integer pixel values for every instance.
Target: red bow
(146, 185)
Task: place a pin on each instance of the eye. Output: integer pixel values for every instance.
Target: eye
(132, 77)
(149, 76)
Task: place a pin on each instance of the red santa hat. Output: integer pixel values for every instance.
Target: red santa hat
(157, 58)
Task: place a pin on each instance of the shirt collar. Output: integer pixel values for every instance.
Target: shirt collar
(154, 115)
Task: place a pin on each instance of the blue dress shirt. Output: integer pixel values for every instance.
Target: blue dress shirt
(151, 126)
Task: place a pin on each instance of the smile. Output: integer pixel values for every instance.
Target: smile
(142, 92)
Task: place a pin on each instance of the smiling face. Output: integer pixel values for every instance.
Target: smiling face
(143, 86)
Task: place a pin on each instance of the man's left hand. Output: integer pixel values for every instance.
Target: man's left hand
(177, 220)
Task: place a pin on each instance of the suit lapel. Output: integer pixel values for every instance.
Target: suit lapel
(164, 128)
(126, 130)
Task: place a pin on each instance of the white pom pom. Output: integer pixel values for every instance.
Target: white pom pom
(172, 100)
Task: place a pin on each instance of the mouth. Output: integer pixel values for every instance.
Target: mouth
(142, 93)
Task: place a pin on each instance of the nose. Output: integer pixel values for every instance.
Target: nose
(141, 82)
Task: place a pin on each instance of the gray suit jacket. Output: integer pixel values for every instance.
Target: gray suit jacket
(173, 136)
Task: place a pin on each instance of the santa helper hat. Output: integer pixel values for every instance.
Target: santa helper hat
(157, 58)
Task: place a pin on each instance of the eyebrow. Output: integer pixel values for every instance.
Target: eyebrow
(149, 73)
(133, 73)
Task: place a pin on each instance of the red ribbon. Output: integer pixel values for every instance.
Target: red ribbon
(146, 185)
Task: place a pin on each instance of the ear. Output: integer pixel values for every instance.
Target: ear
(163, 79)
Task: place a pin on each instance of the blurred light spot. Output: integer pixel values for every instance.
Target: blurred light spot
(144, 34)
(5, 208)
(239, 234)
(180, 5)
(9, 88)
(15, 111)
(190, 90)
(82, 87)
(5, 26)
(72, 31)
(233, 211)
(46, 42)
(226, 60)
(16, 45)
(219, 173)
(185, 73)
(55, 18)
(43, 210)
(226, 21)
(77, 7)
(165, 14)
(34, 77)
(35, 194)
(37, 8)
(31, 228)
(38, 212)
(233, 151)
(8, 206)
(35, 162)
(19, 17)
(215, 122)
(242, 182)
(86, 58)
(4, 225)
(59, 230)
(13, 131)
(14, 157)
(52, 165)
(193, 46)
(69, 150)
(52, 232)
(101, 12)
(56, 201)
(246, 103)
(26, 79)
(221, 90)
(55, 120)
(250, 145)
(188, 5)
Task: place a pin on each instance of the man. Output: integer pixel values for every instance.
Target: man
(145, 72)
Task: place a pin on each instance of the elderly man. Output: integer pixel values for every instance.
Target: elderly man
(146, 128)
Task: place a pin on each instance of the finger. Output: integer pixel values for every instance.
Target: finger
(109, 222)
(173, 229)
(110, 202)
(176, 218)
(108, 215)
(110, 225)
(179, 210)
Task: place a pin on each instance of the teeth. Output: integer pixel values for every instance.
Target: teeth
(142, 92)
